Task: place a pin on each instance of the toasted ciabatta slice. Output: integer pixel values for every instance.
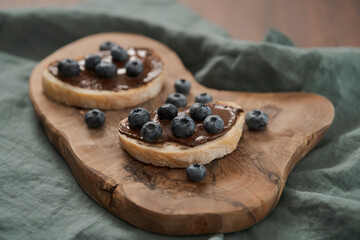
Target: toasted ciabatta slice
(86, 97)
(174, 155)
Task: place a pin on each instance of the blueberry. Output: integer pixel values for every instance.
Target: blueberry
(195, 172)
(167, 111)
(256, 120)
(138, 117)
(134, 67)
(199, 111)
(68, 68)
(94, 118)
(182, 86)
(203, 98)
(151, 131)
(106, 70)
(106, 46)
(119, 54)
(91, 61)
(178, 99)
(182, 126)
(213, 124)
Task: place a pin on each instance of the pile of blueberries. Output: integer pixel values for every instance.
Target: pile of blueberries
(70, 68)
(182, 125)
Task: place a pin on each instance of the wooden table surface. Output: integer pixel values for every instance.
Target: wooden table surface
(309, 23)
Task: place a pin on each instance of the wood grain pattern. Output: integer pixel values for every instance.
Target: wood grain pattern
(239, 189)
(308, 23)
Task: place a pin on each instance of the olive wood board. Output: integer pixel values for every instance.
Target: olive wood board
(239, 189)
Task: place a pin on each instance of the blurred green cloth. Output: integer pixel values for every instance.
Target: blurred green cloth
(39, 197)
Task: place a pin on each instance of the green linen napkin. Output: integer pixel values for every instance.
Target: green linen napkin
(39, 198)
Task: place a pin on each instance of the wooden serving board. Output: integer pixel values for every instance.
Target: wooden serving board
(239, 190)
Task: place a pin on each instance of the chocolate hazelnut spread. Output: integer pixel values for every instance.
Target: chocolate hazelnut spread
(200, 136)
(89, 80)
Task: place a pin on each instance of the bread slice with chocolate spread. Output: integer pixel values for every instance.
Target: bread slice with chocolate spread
(202, 147)
(88, 90)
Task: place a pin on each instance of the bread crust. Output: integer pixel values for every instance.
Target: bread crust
(174, 155)
(103, 99)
